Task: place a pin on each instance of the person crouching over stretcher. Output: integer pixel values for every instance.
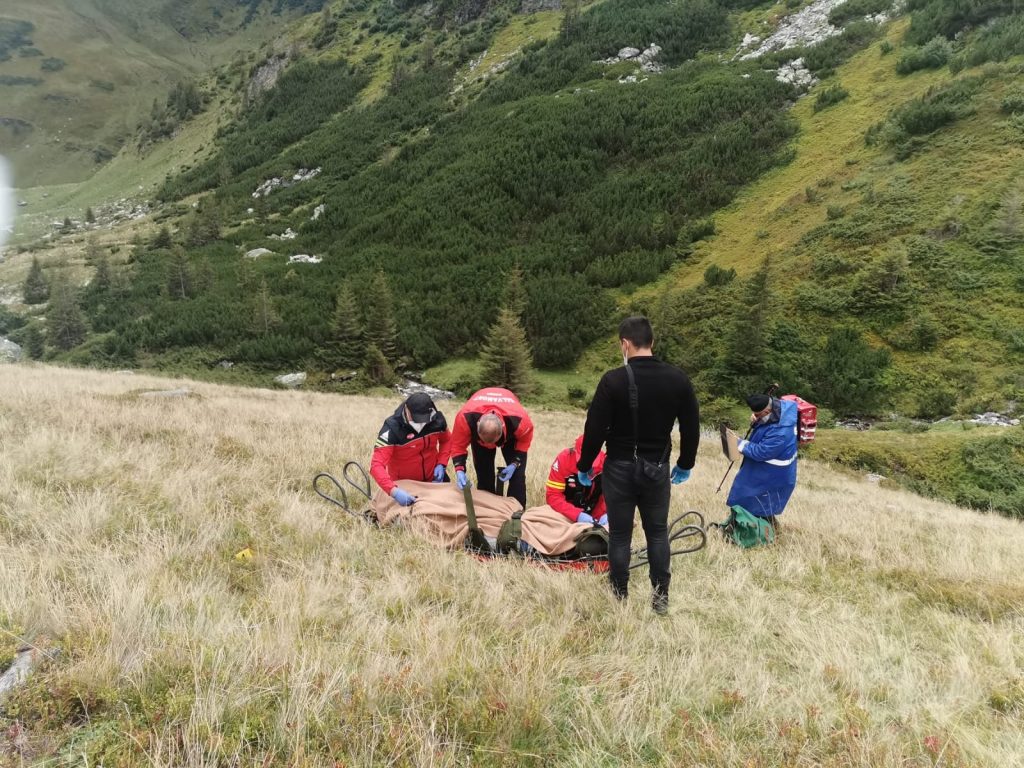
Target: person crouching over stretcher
(564, 493)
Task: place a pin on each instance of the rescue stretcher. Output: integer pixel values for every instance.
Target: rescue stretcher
(490, 526)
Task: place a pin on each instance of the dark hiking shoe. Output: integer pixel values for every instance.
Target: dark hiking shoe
(659, 603)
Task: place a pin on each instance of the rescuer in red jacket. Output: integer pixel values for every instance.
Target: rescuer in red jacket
(413, 444)
(565, 494)
(493, 418)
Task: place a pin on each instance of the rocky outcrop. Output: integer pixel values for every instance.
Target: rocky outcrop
(255, 253)
(318, 211)
(288, 234)
(645, 59)
(533, 6)
(993, 419)
(265, 77)
(291, 380)
(9, 351)
(304, 258)
(808, 26)
(797, 74)
(410, 387)
(271, 185)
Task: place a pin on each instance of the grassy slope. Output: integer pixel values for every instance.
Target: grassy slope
(882, 630)
(962, 173)
(128, 45)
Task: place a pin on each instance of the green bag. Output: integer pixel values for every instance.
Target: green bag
(592, 542)
(510, 533)
(746, 530)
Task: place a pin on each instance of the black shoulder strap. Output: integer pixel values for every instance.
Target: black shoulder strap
(634, 407)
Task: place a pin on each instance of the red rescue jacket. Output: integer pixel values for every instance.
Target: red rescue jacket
(401, 454)
(518, 427)
(563, 491)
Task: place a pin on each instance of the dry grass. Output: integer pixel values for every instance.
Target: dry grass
(882, 630)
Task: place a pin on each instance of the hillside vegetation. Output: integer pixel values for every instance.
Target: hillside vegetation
(883, 274)
(862, 245)
(882, 629)
(78, 76)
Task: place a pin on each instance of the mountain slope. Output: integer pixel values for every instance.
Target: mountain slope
(441, 147)
(94, 67)
(881, 630)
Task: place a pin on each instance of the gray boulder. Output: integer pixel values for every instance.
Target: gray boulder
(9, 351)
(291, 380)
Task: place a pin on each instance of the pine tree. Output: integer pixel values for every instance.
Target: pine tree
(346, 330)
(265, 317)
(36, 290)
(381, 329)
(66, 226)
(93, 252)
(515, 293)
(162, 239)
(376, 366)
(743, 365)
(179, 275)
(33, 341)
(101, 281)
(64, 320)
(90, 217)
(506, 355)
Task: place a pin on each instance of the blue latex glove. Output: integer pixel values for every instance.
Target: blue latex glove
(461, 481)
(585, 518)
(403, 498)
(603, 521)
(506, 474)
(586, 478)
(679, 475)
(439, 473)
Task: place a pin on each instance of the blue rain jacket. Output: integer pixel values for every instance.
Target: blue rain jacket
(767, 475)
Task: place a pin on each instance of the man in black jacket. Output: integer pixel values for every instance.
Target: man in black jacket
(636, 470)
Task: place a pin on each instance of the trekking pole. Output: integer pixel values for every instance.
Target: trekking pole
(729, 468)
(770, 391)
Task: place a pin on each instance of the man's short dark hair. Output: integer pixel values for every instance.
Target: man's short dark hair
(637, 331)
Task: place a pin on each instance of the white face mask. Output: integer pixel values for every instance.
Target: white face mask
(417, 426)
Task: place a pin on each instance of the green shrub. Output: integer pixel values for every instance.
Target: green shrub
(1013, 103)
(997, 41)
(936, 53)
(856, 9)
(831, 95)
(715, 275)
(946, 18)
(52, 64)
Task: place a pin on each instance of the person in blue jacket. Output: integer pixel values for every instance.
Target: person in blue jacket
(767, 475)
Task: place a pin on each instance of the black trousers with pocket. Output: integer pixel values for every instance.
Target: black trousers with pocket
(624, 494)
(483, 461)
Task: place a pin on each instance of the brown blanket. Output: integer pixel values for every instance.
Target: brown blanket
(439, 515)
(549, 531)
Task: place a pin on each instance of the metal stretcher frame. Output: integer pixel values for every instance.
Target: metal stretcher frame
(688, 530)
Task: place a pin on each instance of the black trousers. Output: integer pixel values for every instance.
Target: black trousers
(483, 460)
(624, 494)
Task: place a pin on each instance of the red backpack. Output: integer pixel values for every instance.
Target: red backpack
(806, 419)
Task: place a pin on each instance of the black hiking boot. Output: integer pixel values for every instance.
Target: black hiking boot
(659, 603)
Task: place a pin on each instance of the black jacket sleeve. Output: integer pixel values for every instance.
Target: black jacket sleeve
(599, 420)
(689, 425)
